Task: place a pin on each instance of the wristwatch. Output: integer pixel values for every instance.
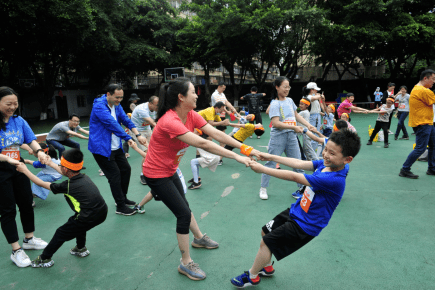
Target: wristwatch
(137, 135)
(37, 151)
(304, 130)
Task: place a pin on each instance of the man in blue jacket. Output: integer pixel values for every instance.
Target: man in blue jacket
(105, 134)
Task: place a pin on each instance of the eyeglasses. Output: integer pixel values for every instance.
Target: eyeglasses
(119, 98)
(287, 88)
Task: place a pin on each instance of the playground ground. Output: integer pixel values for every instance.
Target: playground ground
(382, 235)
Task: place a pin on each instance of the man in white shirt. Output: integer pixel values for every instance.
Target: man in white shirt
(143, 117)
(218, 96)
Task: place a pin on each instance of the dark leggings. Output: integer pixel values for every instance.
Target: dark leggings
(170, 191)
(15, 191)
(378, 126)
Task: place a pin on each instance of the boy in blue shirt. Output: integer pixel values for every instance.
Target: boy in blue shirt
(296, 226)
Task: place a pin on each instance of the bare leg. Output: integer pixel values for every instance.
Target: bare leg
(146, 199)
(183, 241)
(263, 258)
(194, 228)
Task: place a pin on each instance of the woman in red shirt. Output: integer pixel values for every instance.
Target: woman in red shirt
(171, 138)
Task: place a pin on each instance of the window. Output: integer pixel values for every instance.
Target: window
(81, 101)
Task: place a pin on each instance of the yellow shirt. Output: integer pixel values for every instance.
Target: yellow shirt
(210, 115)
(421, 106)
(244, 133)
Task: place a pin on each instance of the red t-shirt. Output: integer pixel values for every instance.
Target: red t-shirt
(344, 107)
(165, 151)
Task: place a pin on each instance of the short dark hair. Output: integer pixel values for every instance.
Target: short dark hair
(73, 115)
(350, 95)
(391, 85)
(403, 87)
(254, 89)
(341, 124)
(221, 84)
(347, 140)
(219, 105)
(113, 87)
(425, 74)
(169, 95)
(73, 156)
(259, 132)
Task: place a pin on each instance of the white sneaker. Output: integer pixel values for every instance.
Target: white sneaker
(390, 132)
(251, 137)
(35, 244)
(262, 193)
(20, 259)
(258, 137)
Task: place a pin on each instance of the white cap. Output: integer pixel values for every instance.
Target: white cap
(313, 86)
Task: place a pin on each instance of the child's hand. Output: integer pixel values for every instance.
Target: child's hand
(298, 129)
(43, 158)
(243, 160)
(255, 153)
(312, 128)
(30, 151)
(131, 143)
(21, 167)
(265, 157)
(256, 167)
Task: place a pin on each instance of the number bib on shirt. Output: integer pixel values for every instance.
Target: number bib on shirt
(12, 152)
(290, 121)
(180, 155)
(145, 124)
(307, 198)
(402, 106)
(325, 122)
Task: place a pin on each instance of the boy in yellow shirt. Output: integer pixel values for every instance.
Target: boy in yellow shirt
(245, 130)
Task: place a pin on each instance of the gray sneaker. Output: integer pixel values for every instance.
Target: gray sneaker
(192, 270)
(83, 252)
(34, 244)
(204, 242)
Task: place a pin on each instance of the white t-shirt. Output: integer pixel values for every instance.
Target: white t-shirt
(218, 97)
(306, 115)
(142, 111)
(315, 106)
(115, 141)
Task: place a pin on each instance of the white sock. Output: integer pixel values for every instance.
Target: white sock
(269, 264)
(251, 275)
(142, 174)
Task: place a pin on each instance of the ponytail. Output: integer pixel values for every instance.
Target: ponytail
(169, 95)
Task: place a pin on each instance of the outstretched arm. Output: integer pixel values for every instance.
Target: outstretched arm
(23, 169)
(288, 161)
(282, 174)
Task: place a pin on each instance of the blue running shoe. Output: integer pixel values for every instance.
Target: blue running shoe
(297, 194)
(244, 280)
(192, 270)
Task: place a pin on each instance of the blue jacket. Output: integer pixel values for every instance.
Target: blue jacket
(102, 125)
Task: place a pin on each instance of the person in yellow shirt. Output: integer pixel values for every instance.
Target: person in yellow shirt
(421, 120)
(246, 130)
(212, 116)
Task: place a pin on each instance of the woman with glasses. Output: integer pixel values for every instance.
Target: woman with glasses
(284, 117)
(60, 135)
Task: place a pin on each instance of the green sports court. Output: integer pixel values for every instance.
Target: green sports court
(381, 236)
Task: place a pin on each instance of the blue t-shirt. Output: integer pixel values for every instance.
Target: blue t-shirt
(285, 110)
(378, 96)
(328, 121)
(328, 188)
(17, 132)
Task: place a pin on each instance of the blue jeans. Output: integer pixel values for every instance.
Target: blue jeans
(315, 121)
(59, 145)
(401, 117)
(287, 143)
(424, 137)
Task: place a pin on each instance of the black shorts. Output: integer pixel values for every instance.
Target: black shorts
(221, 128)
(283, 236)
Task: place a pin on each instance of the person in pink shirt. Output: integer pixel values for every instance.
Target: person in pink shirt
(173, 134)
(347, 106)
